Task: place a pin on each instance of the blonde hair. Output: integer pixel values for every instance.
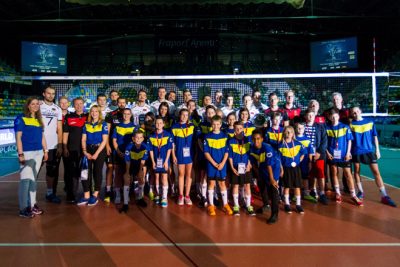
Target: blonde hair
(90, 119)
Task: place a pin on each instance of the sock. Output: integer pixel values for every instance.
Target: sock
(126, 194)
(248, 200)
(117, 192)
(224, 195)
(204, 190)
(353, 193)
(49, 191)
(140, 191)
(383, 191)
(211, 197)
(32, 196)
(108, 188)
(236, 199)
(165, 192)
(314, 189)
(360, 188)
(157, 188)
(287, 200)
(337, 189)
(298, 200)
(321, 193)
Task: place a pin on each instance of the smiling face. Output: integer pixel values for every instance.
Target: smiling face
(229, 101)
(161, 93)
(244, 116)
(64, 104)
(216, 125)
(257, 140)
(184, 116)
(127, 115)
(231, 119)
(34, 106)
(49, 94)
(159, 125)
(94, 113)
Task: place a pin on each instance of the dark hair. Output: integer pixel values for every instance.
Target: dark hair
(333, 111)
(243, 109)
(27, 113)
(231, 114)
(142, 90)
(237, 123)
(78, 98)
(158, 117)
(272, 94)
(164, 104)
(121, 98)
(48, 86)
(216, 118)
(245, 96)
(276, 114)
(183, 110)
(101, 95)
(112, 91)
(211, 107)
(255, 91)
(257, 131)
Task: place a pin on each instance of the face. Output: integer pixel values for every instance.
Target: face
(121, 103)
(114, 96)
(244, 116)
(247, 101)
(159, 124)
(148, 118)
(290, 97)
(163, 111)
(314, 106)
(187, 96)
(257, 97)
(207, 101)
(78, 105)
(210, 113)
(257, 140)
(334, 118)
(216, 125)
(356, 113)
(231, 120)
(288, 134)
(127, 115)
(276, 120)
(49, 94)
(64, 104)
(191, 106)
(229, 101)
(94, 112)
(300, 129)
(310, 117)
(171, 96)
(142, 96)
(218, 97)
(238, 130)
(102, 101)
(161, 93)
(138, 138)
(184, 116)
(273, 100)
(337, 101)
(34, 106)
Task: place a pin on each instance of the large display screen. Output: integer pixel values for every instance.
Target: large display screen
(43, 58)
(334, 54)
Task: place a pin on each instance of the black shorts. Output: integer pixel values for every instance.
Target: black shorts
(52, 163)
(291, 177)
(219, 179)
(342, 164)
(241, 179)
(117, 160)
(367, 159)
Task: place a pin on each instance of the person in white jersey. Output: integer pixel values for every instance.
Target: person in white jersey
(140, 108)
(228, 108)
(162, 92)
(247, 102)
(52, 120)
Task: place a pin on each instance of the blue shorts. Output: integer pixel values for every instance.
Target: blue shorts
(215, 174)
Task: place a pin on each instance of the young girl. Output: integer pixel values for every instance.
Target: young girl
(182, 155)
(163, 111)
(292, 153)
(230, 121)
(160, 145)
(248, 126)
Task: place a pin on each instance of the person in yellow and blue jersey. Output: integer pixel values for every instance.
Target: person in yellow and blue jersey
(160, 146)
(305, 165)
(121, 137)
(365, 150)
(182, 155)
(94, 140)
(239, 148)
(230, 121)
(32, 150)
(201, 164)
(267, 165)
(136, 154)
(163, 111)
(216, 153)
(292, 153)
(339, 154)
(273, 134)
(248, 126)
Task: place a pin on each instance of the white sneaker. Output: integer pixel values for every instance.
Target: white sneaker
(188, 201)
(180, 200)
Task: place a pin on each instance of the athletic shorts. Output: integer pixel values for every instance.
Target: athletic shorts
(367, 159)
(117, 160)
(219, 179)
(241, 179)
(52, 163)
(216, 174)
(342, 164)
(291, 177)
(318, 169)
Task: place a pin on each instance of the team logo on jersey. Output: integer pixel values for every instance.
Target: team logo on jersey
(53, 109)
(269, 154)
(106, 128)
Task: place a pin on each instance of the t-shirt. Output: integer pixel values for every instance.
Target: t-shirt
(139, 113)
(239, 151)
(226, 110)
(73, 125)
(230, 132)
(269, 113)
(94, 132)
(156, 104)
(263, 157)
(183, 137)
(291, 152)
(216, 146)
(160, 143)
(248, 128)
(134, 154)
(51, 115)
(309, 151)
(338, 137)
(123, 133)
(32, 132)
(364, 133)
(273, 137)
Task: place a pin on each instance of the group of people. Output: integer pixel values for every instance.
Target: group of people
(159, 148)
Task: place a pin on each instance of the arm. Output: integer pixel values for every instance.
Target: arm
(210, 159)
(348, 152)
(273, 182)
(152, 159)
(232, 167)
(377, 151)
(46, 152)
(20, 149)
(89, 157)
(222, 164)
(174, 160)
(167, 159)
(60, 138)
(108, 147)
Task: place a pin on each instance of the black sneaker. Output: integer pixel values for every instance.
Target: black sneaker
(203, 202)
(299, 209)
(70, 200)
(273, 219)
(124, 208)
(313, 194)
(26, 213)
(141, 203)
(288, 209)
(261, 210)
(36, 210)
(323, 199)
(52, 198)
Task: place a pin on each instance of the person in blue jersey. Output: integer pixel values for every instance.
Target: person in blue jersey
(305, 165)
(94, 140)
(182, 155)
(339, 154)
(216, 154)
(163, 111)
(201, 165)
(239, 162)
(292, 153)
(136, 154)
(32, 150)
(273, 134)
(194, 116)
(230, 121)
(248, 126)
(160, 146)
(365, 150)
(266, 163)
(121, 137)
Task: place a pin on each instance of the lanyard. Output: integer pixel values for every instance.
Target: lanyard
(159, 143)
(276, 134)
(336, 136)
(290, 150)
(240, 145)
(185, 133)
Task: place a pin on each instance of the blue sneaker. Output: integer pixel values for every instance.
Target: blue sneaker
(323, 199)
(388, 201)
(93, 201)
(26, 213)
(53, 199)
(360, 195)
(82, 201)
(164, 203)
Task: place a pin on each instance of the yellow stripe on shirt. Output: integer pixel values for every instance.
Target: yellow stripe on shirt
(361, 128)
(183, 132)
(241, 151)
(290, 152)
(31, 122)
(159, 142)
(216, 143)
(124, 131)
(337, 133)
(137, 155)
(93, 129)
(260, 158)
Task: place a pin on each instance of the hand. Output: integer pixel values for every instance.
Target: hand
(348, 157)
(330, 157)
(59, 151)
(166, 167)
(378, 154)
(21, 159)
(94, 156)
(89, 157)
(248, 168)
(66, 152)
(220, 166)
(235, 172)
(108, 149)
(317, 156)
(120, 154)
(45, 156)
(154, 165)
(274, 183)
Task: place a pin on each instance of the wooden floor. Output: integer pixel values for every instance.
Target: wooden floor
(67, 235)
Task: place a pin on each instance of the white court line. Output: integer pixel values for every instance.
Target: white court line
(200, 244)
